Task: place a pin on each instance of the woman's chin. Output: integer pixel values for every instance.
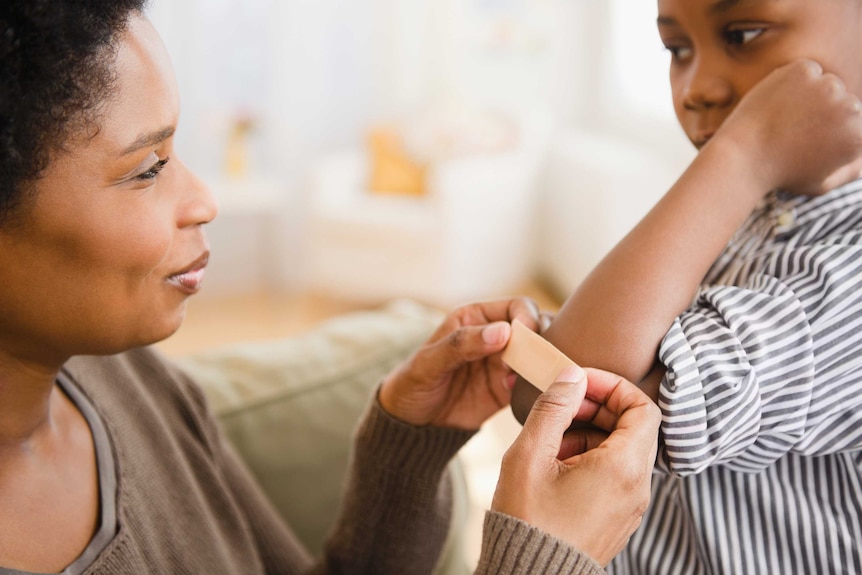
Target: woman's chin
(168, 328)
(148, 333)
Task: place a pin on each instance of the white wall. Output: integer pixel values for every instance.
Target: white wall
(622, 148)
(319, 72)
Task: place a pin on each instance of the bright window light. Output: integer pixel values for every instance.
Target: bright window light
(639, 79)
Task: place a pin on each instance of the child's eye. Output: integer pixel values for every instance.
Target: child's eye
(741, 36)
(153, 171)
(679, 52)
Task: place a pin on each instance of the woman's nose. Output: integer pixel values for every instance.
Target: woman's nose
(199, 204)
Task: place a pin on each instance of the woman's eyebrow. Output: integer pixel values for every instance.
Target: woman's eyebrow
(149, 139)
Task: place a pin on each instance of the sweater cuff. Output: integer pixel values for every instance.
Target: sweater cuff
(512, 546)
(395, 445)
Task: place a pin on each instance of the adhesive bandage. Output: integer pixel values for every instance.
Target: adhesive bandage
(533, 357)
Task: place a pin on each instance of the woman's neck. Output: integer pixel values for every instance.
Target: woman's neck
(49, 487)
(27, 395)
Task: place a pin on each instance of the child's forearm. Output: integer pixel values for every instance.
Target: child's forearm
(617, 317)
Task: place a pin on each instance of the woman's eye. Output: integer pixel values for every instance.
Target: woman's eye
(742, 36)
(153, 171)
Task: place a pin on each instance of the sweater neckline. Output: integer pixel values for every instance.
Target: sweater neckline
(107, 472)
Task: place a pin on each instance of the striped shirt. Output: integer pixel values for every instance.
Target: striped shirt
(761, 460)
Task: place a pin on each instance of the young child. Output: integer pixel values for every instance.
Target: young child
(737, 301)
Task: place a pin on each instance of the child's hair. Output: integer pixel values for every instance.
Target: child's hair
(55, 71)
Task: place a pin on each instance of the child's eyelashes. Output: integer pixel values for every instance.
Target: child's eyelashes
(734, 38)
(742, 36)
(153, 171)
(679, 53)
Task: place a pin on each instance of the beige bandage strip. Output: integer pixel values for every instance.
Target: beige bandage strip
(533, 357)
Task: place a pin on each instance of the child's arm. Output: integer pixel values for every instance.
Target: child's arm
(618, 315)
(791, 131)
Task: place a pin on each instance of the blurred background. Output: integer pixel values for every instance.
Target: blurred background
(440, 150)
(443, 150)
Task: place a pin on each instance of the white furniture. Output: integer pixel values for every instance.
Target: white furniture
(250, 247)
(468, 238)
(597, 188)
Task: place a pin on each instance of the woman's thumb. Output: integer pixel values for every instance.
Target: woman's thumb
(554, 410)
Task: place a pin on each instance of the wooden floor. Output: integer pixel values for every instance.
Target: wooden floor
(216, 321)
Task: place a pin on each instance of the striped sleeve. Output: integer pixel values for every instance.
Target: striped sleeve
(768, 367)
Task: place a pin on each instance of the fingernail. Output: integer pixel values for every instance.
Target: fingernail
(571, 374)
(496, 333)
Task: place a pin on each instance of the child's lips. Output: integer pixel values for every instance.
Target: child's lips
(701, 139)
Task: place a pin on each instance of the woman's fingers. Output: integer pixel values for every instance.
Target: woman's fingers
(585, 487)
(461, 346)
(457, 378)
(474, 332)
(552, 414)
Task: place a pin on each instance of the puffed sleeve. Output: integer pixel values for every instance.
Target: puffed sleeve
(768, 367)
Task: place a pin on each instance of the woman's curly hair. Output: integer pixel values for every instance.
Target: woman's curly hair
(55, 70)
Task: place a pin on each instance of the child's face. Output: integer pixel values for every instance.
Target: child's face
(721, 48)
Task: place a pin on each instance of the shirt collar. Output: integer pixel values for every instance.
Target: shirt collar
(808, 208)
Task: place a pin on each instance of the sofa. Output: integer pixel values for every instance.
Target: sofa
(290, 406)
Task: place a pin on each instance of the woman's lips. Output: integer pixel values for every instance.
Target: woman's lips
(189, 282)
(190, 279)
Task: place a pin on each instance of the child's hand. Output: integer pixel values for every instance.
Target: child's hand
(802, 128)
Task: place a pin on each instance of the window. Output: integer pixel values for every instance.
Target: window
(639, 78)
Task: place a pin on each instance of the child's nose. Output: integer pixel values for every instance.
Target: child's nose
(707, 87)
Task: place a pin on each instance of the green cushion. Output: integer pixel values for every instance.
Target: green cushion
(290, 406)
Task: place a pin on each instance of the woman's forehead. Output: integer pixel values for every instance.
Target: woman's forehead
(144, 104)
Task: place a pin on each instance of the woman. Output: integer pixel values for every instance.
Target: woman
(109, 460)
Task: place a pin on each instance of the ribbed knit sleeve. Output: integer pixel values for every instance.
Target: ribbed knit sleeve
(396, 510)
(186, 502)
(514, 547)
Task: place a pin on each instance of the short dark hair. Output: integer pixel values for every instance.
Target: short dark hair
(55, 70)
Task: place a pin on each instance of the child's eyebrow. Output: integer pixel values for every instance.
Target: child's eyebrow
(717, 8)
(723, 5)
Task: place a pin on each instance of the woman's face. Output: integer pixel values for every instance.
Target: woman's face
(112, 244)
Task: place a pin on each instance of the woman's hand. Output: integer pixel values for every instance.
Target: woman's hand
(587, 488)
(457, 379)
